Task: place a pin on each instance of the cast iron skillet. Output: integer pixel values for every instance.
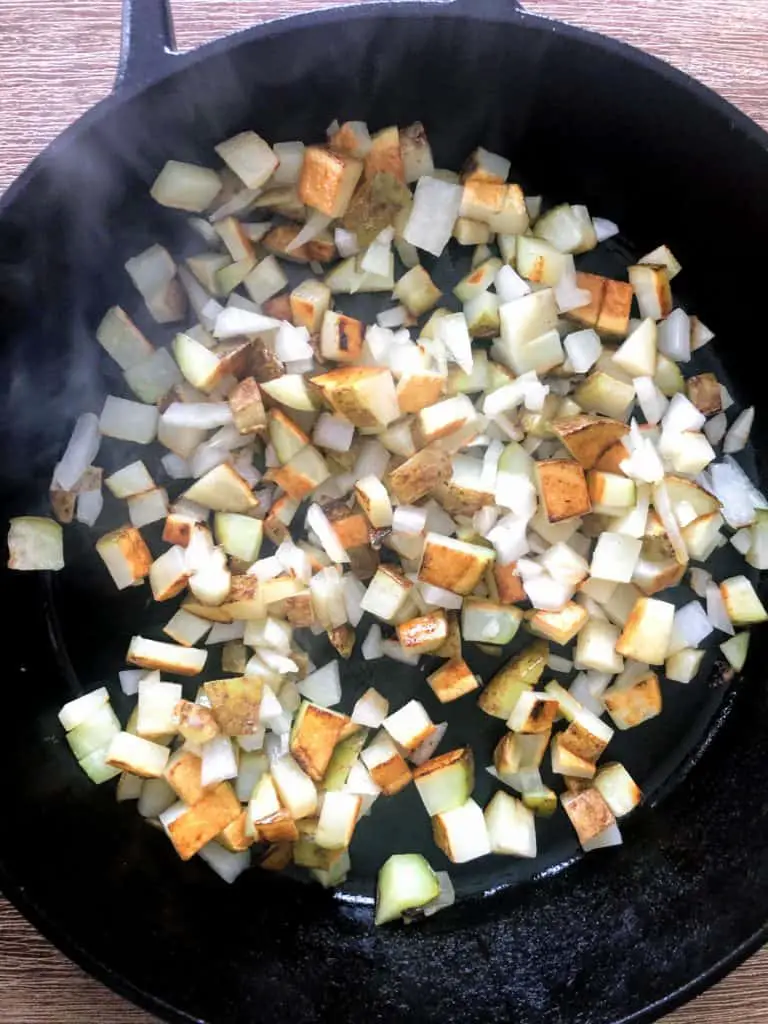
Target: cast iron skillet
(624, 935)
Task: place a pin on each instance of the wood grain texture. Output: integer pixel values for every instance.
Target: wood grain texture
(58, 59)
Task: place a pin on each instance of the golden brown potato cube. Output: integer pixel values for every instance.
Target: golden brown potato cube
(579, 740)
(566, 762)
(352, 138)
(384, 156)
(632, 705)
(364, 394)
(343, 639)
(278, 520)
(125, 554)
(563, 487)
(614, 312)
(520, 673)
(247, 407)
(299, 610)
(314, 734)
(235, 704)
(178, 529)
(560, 626)
(595, 285)
(508, 584)
(391, 775)
(341, 338)
(452, 680)
(453, 564)
(704, 391)
(471, 232)
(350, 527)
(182, 774)
(277, 241)
(416, 391)
(424, 634)
(377, 204)
(328, 180)
(190, 832)
(304, 471)
(420, 474)
(63, 504)
(196, 723)
(278, 828)
(589, 813)
(588, 438)
(309, 302)
(234, 837)
(277, 857)
(533, 713)
(481, 199)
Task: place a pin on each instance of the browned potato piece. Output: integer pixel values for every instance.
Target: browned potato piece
(611, 459)
(235, 704)
(589, 813)
(190, 832)
(309, 302)
(384, 156)
(391, 775)
(587, 438)
(128, 542)
(560, 626)
(277, 857)
(63, 504)
(320, 249)
(579, 741)
(303, 472)
(341, 338)
(278, 828)
(178, 529)
(508, 584)
(563, 488)
(375, 206)
(196, 723)
(615, 307)
(632, 705)
(207, 611)
(420, 474)
(351, 527)
(453, 564)
(424, 634)
(234, 837)
(182, 774)
(247, 407)
(314, 734)
(419, 390)
(520, 673)
(704, 392)
(328, 180)
(343, 639)
(364, 394)
(595, 285)
(452, 680)
(351, 138)
(299, 610)
(279, 306)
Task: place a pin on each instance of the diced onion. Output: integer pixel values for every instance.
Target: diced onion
(323, 686)
(737, 437)
(372, 645)
(716, 610)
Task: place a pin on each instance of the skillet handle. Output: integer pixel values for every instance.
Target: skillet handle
(147, 42)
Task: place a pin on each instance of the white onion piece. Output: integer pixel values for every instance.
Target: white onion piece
(453, 332)
(733, 492)
(757, 497)
(509, 285)
(227, 865)
(266, 568)
(509, 539)
(130, 679)
(569, 296)
(699, 579)
(426, 749)
(318, 521)
(294, 560)
(82, 448)
(372, 645)
(716, 610)
(323, 686)
(203, 415)
(737, 437)
(438, 520)
(715, 428)
(370, 710)
(175, 467)
(546, 593)
(409, 519)
(674, 336)
(233, 321)
(682, 415)
(558, 664)
(89, 507)
(392, 649)
(663, 505)
(292, 343)
(691, 625)
(333, 432)
(316, 223)
(395, 317)
(580, 691)
(651, 401)
(725, 398)
(372, 460)
(128, 421)
(435, 208)
(437, 597)
(604, 229)
(224, 632)
(484, 520)
(219, 761)
(346, 243)
(742, 540)
(583, 349)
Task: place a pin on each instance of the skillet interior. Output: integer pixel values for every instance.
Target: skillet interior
(598, 942)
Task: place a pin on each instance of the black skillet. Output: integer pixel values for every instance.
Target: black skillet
(627, 934)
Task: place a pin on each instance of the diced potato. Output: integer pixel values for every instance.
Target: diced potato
(511, 826)
(446, 782)
(374, 501)
(424, 634)
(183, 186)
(587, 736)
(247, 407)
(338, 817)
(250, 157)
(523, 322)
(125, 555)
(651, 287)
(588, 812)
(533, 713)
(200, 366)
(562, 626)
(304, 472)
(637, 355)
(223, 490)
(610, 492)
(444, 418)
(341, 338)
(310, 301)
(353, 138)
(122, 339)
(314, 734)
(280, 241)
(365, 395)
(471, 232)
(419, 475)
(386, 764)
(462, 833)
(634, 701)
(236, 704)
(484, 621)
(615, 307)
(453, 564)
(566, 762)
(519, 674)
(95, 733)
(410, 726)
(328, 180)
(743, 605)
(587, 438)
(136, 755)
(406, 882)
(700, 536)
(295, 787)
(647, 632)
(602, 393)
(508, 583)
(77, 712)
(452, 680)
(563, 489)
(151, 654)
(596, 647)
(417, 291)
(196, 723)
(618, 789)
(704, 392)
(539, 261)
(183, 773)
(201, 823)
(595, 285)
(157, 709)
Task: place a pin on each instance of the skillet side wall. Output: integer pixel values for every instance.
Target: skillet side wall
(595, 943)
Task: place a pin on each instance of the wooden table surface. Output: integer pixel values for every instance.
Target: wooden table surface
(57, 61)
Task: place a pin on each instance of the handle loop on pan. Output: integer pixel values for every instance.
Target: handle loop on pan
(147, 42)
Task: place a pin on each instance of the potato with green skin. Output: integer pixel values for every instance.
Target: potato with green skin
(447, 781)
(521, 673)
(406, 882)
(314, 735)
(345, 753)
